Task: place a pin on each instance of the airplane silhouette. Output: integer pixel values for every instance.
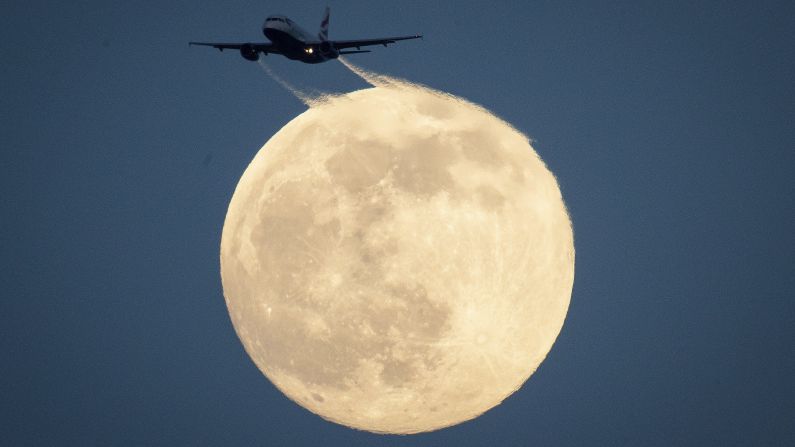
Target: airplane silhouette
(289, 40)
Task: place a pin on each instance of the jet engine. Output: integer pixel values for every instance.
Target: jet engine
(328, 51)
(249, 52)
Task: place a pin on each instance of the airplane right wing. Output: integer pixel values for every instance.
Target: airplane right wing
(342, 44)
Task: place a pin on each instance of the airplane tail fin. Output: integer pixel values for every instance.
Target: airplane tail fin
(323, 33)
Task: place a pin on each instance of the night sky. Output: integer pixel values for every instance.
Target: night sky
(669, 125)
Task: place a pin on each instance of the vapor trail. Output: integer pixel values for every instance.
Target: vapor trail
(302, 96)
(374, 79)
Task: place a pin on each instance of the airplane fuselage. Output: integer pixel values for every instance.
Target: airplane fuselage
(292, 41)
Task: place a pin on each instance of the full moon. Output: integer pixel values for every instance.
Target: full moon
(397, 259)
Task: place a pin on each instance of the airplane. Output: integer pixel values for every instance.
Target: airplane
(289, 40)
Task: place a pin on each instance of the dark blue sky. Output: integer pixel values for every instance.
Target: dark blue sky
(670, 127)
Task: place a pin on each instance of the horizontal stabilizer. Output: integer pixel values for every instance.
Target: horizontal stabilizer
(355, 51)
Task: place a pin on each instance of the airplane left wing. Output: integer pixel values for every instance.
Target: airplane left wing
(260, 47)
(342, 44)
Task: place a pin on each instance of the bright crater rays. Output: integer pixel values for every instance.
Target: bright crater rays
(397, 259)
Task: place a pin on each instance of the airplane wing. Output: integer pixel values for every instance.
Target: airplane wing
(261, 47)
(342, 44)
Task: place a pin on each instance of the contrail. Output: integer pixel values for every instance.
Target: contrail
(302, 96)
(374, 79)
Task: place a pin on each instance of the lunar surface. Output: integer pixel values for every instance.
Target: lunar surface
(397, 259)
